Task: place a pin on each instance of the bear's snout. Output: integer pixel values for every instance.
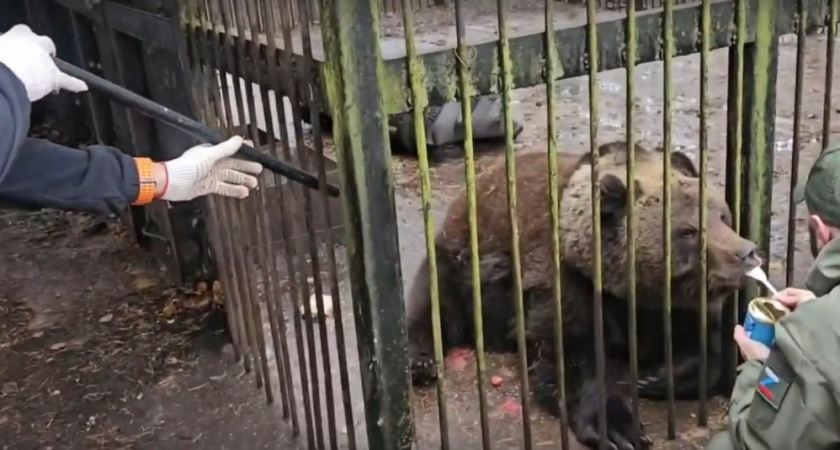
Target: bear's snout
(747, 254)
(742, 255)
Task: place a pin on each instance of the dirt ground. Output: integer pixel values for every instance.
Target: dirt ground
(97, 351)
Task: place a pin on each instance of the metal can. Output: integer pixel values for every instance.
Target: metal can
(762, 315)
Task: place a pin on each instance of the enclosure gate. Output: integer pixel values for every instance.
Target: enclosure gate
(217, 60)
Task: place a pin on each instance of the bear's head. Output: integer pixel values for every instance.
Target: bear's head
(729, 255)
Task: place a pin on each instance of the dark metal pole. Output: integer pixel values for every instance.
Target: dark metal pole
(158, 112)
(357, 97)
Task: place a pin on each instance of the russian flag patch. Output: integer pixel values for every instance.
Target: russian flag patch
(772, 387)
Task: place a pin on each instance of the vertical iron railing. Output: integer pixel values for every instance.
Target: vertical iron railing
(353, 64)
(751, 136)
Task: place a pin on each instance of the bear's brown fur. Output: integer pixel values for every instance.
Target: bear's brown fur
(730, 257)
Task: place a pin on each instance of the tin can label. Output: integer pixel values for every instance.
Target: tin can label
(760, 322)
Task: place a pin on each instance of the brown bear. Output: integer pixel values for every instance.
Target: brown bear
(729, 257)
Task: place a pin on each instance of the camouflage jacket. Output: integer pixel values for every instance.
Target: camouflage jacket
(792, 400)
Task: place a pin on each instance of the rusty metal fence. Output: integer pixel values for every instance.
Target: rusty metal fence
(394, 7)
(315, 298)
(334, 64)
(289, 267)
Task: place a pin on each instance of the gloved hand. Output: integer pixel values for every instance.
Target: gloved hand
(209, 169)
(30, 58)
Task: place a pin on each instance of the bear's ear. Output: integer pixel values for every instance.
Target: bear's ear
(614, 197)
(617, 147)
(612, 147)
(683, 164)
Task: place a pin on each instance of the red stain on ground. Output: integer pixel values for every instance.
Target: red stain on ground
(458, 358)
(511, 408)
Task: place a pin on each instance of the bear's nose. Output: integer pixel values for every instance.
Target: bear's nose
(747, 253)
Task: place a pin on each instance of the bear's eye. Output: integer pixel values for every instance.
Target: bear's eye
(688, 232)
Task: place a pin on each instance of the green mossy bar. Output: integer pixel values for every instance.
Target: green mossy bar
(351, 36)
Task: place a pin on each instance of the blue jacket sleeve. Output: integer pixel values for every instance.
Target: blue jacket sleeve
(35, 172)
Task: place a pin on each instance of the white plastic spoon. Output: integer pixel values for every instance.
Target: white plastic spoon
(759, 275)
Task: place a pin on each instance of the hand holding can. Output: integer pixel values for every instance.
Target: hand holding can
(762, 315)
(750, 349)
(793, 297)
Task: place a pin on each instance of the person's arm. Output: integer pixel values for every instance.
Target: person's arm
(36, 172)
(791, 400)
(14, 118)
(99, 179)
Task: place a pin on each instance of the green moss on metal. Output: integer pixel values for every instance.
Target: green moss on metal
(331, 78)
(358, 83)
(352, 110)
(439, 76)
(763, 79)
(506, 70)
(394, 90)
(557, 64)
(528, 53)
(495, 74)
(761, 67)
(529, 61)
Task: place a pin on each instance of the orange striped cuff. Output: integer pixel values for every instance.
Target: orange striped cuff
(146, 192)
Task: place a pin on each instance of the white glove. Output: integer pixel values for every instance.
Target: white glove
(30, 58)
(209, 169)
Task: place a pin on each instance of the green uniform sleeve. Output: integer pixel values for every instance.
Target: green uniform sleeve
(789, 401)
(742, 394)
